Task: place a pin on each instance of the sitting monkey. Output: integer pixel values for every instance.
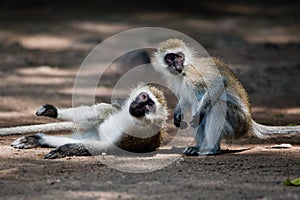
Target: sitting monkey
(219, 103)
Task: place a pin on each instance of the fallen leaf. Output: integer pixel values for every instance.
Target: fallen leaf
(295, 182)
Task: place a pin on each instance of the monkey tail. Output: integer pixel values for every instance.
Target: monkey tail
(263, 131)
(58, 126)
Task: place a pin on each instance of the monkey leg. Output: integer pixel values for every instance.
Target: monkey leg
(208, 138)
(83, 148)
(209, 132)
(205, 144)
(237, 122)
(42, 140)
(76, 149)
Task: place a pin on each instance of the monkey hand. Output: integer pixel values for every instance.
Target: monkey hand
(197, 119)
(178, 119)
(28, 142)
(178, 123)
(47, 110)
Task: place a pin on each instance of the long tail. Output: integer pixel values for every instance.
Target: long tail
(58, 126)
(263, 131)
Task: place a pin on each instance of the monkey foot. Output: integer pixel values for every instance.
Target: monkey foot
(55, 153)
(47, 110)
(68, 150)
(27, 142)
(195, 151)
(191, 151)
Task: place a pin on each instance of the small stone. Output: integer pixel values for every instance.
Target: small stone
(281, 146)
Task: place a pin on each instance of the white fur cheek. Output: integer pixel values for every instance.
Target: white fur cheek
(139, 122)
(154, 120)
(151, 118)
(159, 68)
(158, 63)
(158, 117)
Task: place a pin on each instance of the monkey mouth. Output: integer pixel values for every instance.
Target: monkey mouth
(175, 70)
(140, 110)
(150, 108)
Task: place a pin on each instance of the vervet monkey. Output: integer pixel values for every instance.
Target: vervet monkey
(204, 84)
(135, 126)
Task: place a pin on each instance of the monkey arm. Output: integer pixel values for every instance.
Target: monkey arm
(179, 111)
(98, 112)
(109, 133)
(208, 100)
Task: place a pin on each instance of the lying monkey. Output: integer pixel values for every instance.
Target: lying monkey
(136, 126)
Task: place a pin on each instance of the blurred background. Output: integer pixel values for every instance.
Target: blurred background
(43, 43)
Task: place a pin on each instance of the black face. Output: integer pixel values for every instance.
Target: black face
(175, 62)
(141, 105)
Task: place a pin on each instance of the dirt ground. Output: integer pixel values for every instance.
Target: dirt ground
(42, 46)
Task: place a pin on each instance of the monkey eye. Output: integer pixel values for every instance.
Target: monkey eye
(180, 56)
(169, 57)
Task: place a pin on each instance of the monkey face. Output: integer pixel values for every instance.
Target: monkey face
(172, 57)
(175, 62)
(141, 105)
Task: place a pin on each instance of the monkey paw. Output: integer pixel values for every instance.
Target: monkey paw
(47, 110)
(177, 119)
(27, 142)
(195, 151)
(191, 151)
(68, 150)
(55, 153)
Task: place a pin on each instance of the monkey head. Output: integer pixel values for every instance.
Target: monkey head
(141, 105)
(147, 103)
(172, 57)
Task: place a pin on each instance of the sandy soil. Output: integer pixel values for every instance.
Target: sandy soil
(41, 48)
